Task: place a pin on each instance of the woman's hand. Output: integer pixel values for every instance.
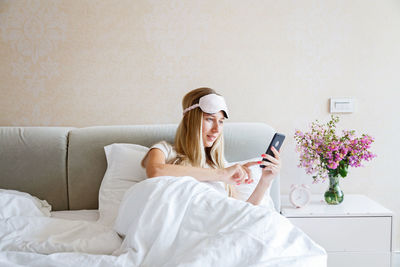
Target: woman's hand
(272, 168)
(270, 171)
(237, 174)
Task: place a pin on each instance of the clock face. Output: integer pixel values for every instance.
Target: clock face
(299, 197)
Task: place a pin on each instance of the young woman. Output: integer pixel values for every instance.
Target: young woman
(198, 149)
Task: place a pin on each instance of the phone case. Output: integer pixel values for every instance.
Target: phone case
(276, 142)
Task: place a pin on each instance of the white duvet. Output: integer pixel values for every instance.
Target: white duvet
(167, 221)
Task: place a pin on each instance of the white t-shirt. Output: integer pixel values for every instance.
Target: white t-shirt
(170, 157)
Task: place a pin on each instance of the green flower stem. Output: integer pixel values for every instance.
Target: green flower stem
(334, 195)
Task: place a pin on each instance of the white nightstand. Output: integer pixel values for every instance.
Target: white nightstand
(358, 224)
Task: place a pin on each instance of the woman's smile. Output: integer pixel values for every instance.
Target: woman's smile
(211, 138)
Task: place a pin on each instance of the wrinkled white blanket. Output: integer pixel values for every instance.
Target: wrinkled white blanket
(168, 221)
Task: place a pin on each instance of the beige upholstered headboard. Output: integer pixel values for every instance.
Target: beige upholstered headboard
(65, 166)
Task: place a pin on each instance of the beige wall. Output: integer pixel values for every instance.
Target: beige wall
(81, 63)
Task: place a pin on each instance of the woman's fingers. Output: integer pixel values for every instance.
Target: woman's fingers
(272, 168)
(251, 163)
(271, 159)
(276, 153)
(276, 164)
(249, 179)
(238, 174)
(242, 173)
(274, 159)
(247, 170)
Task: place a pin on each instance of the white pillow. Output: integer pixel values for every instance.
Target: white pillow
(245, 190)
(123, 171)
(15, 203)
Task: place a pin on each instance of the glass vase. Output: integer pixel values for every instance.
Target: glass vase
(334, 195)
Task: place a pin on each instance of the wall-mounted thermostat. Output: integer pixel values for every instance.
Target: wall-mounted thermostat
(342, 105)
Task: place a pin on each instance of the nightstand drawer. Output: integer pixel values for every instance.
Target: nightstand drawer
(337, 234)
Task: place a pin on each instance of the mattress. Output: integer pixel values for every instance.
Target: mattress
(76, 215)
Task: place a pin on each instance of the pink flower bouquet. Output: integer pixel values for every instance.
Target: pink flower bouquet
(324, 154)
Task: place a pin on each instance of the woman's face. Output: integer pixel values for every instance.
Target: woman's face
(212, 127)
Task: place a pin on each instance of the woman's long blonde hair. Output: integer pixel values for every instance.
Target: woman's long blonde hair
(189, 141)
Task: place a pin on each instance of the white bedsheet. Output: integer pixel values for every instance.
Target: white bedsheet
(168, 221)
(76, 215)
(48, 235)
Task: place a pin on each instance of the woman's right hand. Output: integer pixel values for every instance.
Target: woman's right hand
(237, 174)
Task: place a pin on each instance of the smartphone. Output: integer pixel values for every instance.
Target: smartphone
(276, 142)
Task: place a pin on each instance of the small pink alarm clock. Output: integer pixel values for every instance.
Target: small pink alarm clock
(299, 195)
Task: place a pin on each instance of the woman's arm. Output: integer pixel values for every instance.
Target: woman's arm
(268, 174)
(155, 165)
(258, 193)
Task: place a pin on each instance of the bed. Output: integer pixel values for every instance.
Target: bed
(105, 213)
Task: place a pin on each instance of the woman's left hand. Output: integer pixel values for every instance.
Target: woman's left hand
(273, 167)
